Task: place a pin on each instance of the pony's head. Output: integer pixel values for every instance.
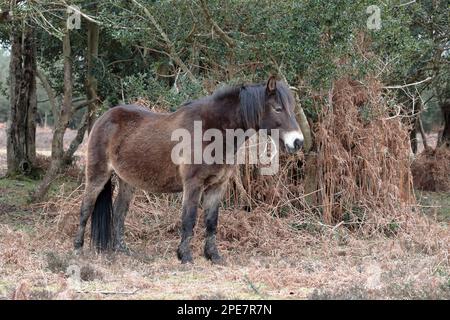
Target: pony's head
(271, 106)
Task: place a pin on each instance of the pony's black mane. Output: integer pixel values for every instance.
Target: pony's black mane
(252, 100)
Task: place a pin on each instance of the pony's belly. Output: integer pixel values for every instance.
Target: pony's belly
(167, 186)
(159, 181)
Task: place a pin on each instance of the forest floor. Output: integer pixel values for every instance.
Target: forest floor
(37, 262)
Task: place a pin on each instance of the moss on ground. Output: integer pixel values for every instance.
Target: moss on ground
(435, 204)
(15, 207)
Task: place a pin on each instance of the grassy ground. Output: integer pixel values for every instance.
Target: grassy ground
(37, 262)
(267, 258)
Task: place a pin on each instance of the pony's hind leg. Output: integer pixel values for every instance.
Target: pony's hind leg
(211, 202)
(121, 205)
(94, 187)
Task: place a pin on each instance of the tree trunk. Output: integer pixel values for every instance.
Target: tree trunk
(91, 81)
(306, 130)
(57, 159)
(422, 133)
(444, 137)
(75, 143)
(413, 138)
(21, 128)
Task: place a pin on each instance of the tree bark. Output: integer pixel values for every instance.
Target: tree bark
(82, 128)
(306, 130)
(91, 81)
(444, 137)
(21, 127)
(413, 137)
(422, 133)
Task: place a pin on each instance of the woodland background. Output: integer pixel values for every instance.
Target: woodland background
(373, 180)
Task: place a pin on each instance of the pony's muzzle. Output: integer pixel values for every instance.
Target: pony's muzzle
(293, 141)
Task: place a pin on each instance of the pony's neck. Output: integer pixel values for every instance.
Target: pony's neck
(230, 115)
(224, 115)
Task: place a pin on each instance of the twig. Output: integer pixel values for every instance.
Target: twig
(337, 226)
(229, 41)
(84, 15)
(172, 52)
(301, 197)
(175, 83)
(252, 286)
(407, 3)
(109, 292)
(408, 85)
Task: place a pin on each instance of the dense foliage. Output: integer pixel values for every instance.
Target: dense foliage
(310, 43)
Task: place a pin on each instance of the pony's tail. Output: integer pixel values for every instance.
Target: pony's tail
(101, 222)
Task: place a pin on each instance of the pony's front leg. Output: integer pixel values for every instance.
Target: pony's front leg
(211, 203)
(191, 197)
(210, 251)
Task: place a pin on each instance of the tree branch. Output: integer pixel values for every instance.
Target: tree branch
(408, 85)
(83, 104)
(84, 15)
(172, 52)
(68, 156)
(50, 93)
(229, 41)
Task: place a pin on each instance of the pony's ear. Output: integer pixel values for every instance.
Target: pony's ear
(271, 87)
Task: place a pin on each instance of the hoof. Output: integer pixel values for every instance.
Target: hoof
(187, 261)
(78, 251)
(218, 260)
(184, 257)
(123, 248)
(78, 247)
(211, 253)
(215, 258)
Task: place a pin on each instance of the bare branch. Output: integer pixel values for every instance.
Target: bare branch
(408, 85)
(50, 93)
(229, 41)
(84, 15)
(172, 52)
(407, 3)
(83, 104)
(422, 133)
(68, 155)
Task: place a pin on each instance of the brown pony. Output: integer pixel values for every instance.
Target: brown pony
(136, 145)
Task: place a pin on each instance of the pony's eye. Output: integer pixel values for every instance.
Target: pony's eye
(277, 109)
